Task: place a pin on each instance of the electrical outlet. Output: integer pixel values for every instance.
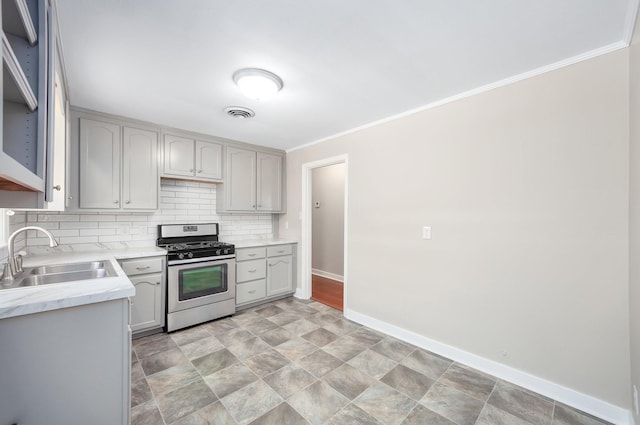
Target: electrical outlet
(426, 232)
(635, 400)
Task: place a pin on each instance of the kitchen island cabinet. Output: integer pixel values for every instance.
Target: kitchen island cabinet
(67, 366)
(264, 272)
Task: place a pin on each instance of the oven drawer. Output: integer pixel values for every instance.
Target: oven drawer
(142, 266)
(251, 270)
(274, 251)
(251, 291)
(250, 253)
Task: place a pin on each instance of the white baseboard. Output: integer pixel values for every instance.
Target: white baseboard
(328, 275)
(583, 402)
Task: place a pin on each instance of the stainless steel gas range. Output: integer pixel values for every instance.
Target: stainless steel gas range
(201, 274)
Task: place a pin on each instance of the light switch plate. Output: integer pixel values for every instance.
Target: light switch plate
(426, 232)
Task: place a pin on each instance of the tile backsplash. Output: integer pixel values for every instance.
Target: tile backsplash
(180, 202)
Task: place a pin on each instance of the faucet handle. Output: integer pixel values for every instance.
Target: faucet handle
(19, 259)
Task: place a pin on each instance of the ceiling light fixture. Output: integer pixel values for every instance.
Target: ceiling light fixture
(257, 83)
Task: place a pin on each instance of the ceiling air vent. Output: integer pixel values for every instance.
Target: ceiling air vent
(239, 112)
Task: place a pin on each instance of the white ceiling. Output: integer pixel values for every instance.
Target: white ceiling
(344, 63)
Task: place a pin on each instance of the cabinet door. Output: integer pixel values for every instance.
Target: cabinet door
(99, 165)
(146, 306)
(241, 180)
(139, 169)
(208, 160)
(179, 157)
(279, 275)
(269, 184)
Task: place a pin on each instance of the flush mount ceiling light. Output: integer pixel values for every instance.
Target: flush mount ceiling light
(257, 83)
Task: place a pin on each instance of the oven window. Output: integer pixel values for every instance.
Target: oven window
(202, 281)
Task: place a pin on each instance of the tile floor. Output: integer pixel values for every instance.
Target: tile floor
(297, 362)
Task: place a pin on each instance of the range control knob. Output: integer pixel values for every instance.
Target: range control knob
(190, 255)
(226, 250)
(218, 251)
(181, 256)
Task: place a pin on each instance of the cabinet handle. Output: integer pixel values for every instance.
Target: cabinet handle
(251, 255)
(57, 187)
(142, 267)
(157, 283)
(199, 171)
(253, 271)
(191, 170)
(70, 197)
(280, 251)
(115, 202)
(252, 291)
(127, 202)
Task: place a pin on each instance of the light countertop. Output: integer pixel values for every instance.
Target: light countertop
(259, 242)
(34, 299)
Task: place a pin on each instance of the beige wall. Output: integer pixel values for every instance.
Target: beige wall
(526, 190)
(328, 219)
(634, 201)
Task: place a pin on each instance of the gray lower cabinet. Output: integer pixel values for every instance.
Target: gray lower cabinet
(147, 305)
(67, 366)
(264, 273)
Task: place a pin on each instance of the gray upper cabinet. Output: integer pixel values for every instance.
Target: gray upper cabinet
(191, 158)
(118, 167)
(28, 55)
(253, 182)
(99, 165)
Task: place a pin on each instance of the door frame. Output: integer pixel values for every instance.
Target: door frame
(307, 227)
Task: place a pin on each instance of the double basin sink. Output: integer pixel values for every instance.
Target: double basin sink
(60, 273)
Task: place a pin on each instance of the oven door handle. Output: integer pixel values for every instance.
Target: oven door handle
(200, 260)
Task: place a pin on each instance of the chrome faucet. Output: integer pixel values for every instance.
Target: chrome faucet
(14, 262)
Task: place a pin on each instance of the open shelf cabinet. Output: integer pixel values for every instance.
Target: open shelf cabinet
(27, 92)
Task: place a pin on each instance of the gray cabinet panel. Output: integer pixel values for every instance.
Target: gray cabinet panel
(147, 306)
(208, 160)
(139, 169)
(279, 275)
(253, 182)
(118, 166)
(179, 156)
(269, 183)
(186, 157)
(241, 179)
(99, 165)
(67, 366)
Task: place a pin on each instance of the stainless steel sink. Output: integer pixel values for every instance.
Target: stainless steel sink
(60, 273)
(67, 268)
(45, 279)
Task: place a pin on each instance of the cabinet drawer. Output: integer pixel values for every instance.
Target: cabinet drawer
(250, 253)
(251, 291)
(273, 251)
(251, 270)
(142, 266)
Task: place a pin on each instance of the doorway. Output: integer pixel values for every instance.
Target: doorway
(324, 230)
(327, 235)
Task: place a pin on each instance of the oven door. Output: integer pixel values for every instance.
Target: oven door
(199, 283)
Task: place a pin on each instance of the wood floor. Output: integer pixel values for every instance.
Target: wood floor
(327, 291)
